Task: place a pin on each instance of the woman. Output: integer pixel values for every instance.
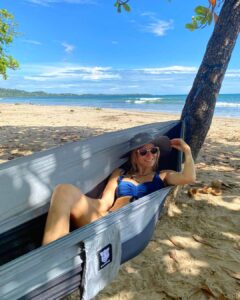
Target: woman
(68, 202)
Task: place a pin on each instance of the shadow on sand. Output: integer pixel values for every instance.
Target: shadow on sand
(21, 141)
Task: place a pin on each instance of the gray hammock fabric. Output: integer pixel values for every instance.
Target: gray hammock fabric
(89, 257)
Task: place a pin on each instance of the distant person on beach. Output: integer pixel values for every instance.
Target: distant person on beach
(69, 203)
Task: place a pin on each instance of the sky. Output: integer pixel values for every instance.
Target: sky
(85, 46)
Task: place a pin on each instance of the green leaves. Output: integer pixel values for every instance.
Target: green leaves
(204, 16)
(120, 3)
(126, 7)
(201, 10)
(7, 33)
(191, 26)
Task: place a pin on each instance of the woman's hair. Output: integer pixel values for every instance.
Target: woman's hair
(133, 162)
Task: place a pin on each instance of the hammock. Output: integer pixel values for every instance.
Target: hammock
(89, 257)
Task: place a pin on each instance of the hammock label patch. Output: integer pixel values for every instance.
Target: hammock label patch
(105, 256)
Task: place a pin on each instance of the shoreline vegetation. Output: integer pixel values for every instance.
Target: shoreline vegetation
(194, 252)
(15, 93)
(5, 93)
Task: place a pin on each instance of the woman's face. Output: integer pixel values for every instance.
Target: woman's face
(147, 155)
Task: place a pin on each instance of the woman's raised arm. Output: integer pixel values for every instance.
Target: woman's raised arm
(188, 174)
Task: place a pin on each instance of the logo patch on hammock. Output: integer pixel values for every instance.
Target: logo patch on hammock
(105, 256)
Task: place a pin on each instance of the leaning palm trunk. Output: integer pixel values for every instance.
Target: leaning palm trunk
(200, 103)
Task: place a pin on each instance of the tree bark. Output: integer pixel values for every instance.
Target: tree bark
(200, 103)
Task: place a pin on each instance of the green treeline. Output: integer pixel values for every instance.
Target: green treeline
(19, 93)
(13, 93)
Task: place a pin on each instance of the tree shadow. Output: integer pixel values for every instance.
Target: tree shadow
(21, 141)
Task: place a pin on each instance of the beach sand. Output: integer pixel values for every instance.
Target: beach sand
(195, 250)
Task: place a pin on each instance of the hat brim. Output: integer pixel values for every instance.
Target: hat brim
(160, 141)
(164, 144)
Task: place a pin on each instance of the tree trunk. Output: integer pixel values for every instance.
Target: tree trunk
(200, 103)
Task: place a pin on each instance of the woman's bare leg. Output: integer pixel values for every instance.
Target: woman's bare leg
(68, 201)
(58, 219)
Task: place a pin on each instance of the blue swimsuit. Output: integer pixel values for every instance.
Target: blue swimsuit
(126, 188)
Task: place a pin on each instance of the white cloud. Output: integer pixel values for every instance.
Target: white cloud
(159, 27)
(148, 14)
(73, 78)
(48, 2)
(126, 87)
(170, 70)
(35, 78)
(33, 42)
(74, 73)
(233, 73)
(68, 48)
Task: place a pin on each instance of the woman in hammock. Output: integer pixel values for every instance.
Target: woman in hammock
(69, 203)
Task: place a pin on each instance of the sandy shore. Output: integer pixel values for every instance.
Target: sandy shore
(195, 251)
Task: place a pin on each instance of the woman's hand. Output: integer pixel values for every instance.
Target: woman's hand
(180, 145)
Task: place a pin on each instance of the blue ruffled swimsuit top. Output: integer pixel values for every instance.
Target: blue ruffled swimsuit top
(126, 188)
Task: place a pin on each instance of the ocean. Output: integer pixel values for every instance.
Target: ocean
(228, 105)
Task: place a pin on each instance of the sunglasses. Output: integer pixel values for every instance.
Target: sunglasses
(143, 152)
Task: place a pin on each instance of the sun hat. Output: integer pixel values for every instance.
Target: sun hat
(142, 138)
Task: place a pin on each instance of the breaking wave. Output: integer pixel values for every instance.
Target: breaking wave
(144, 100)
(228, 104)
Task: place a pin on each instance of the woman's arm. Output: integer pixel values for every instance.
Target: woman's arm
(109, 191)
(120, 202)
(188, 174)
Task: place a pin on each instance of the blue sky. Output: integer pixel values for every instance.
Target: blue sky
(85, 46)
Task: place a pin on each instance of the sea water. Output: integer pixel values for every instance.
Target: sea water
(228, 105)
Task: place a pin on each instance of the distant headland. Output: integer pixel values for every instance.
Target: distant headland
(4, 93)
